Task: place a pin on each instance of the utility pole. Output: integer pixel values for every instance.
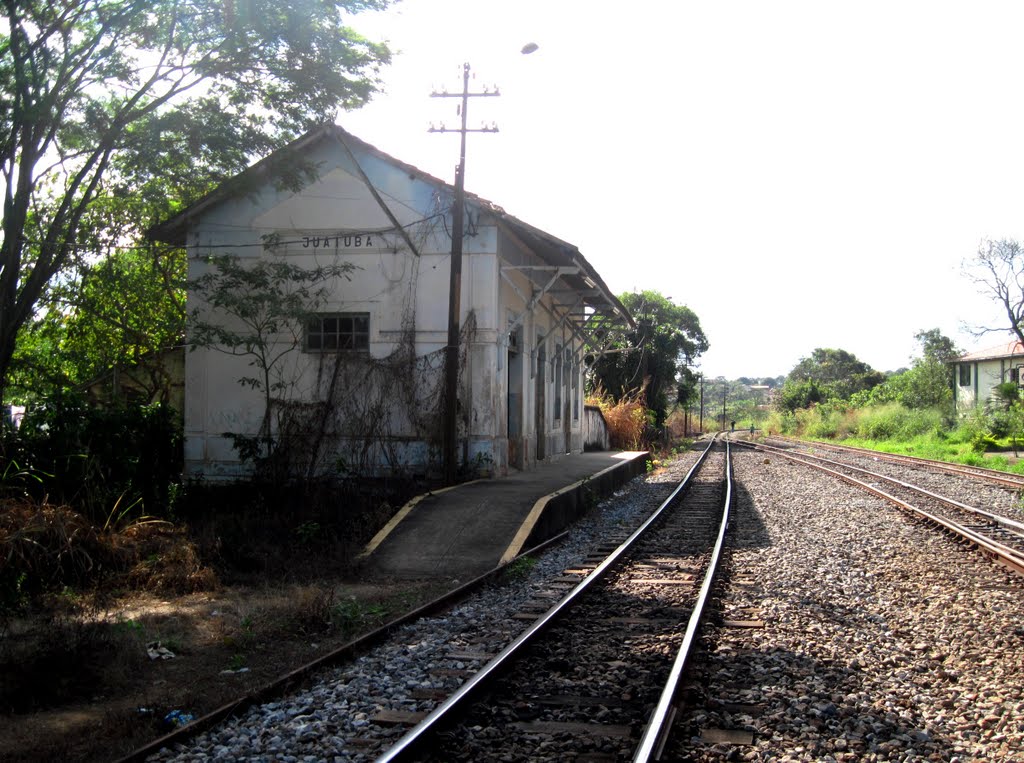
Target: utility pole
(725, 397)
(451, 357)
(700, 427)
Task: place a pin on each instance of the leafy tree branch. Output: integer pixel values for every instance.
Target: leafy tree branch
(155, 98)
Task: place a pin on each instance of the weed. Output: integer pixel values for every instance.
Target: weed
(307, 532)
(13, 597)
(129, 627)
(64, 657)
(519, 568)
(627, 419)
(119, 519)
(350, 616)
(14, 477)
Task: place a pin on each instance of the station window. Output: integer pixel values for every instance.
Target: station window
(333, 332)
(965, 375)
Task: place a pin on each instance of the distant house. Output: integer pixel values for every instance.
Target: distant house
(976, 374)
(360, 385)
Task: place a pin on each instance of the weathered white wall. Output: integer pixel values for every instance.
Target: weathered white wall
(985, 376)
(398, 288)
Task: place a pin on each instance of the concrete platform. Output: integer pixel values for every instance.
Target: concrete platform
(464, 531)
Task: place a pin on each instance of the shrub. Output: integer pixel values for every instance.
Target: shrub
(48, 547)
(92, 458)
(819, 421)
(780, 422)
(893, 421)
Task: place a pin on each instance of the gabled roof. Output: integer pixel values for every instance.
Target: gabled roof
(549, 248)
(1010, 349)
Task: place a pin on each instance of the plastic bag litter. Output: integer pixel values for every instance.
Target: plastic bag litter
(158, 652)
(177, 718)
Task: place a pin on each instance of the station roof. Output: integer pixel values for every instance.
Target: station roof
(579, 276)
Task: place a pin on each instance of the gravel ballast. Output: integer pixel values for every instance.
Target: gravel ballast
(869, 649)
(881, 639)
(333, 719)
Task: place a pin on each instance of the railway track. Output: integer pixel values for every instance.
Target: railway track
(999, 536)
(1005, 479)
(842, 632)
(594, 675)
(863, 637)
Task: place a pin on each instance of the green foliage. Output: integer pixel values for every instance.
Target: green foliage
(836, 375)
(820, 422)
(893, 421)
(1005, 410)
(796, 395)
(780, 421)
(927, 384)
(936, 347)
(520, 568)
(307, 532)
(156, 99)
(96, 458)
(112, 321)
(654, 357)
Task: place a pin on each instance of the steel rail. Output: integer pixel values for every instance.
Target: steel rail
(343, 653)
(659, 724)
(1006, 479)
(1010, 557)
(411, 743)
(998, 519)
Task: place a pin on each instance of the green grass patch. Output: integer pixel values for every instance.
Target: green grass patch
(939, 448)
(892, 428)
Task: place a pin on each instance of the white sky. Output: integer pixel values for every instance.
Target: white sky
(800, 174)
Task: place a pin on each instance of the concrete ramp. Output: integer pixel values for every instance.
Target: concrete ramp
(464, 531)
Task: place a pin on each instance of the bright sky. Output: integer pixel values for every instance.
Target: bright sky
(800, 174)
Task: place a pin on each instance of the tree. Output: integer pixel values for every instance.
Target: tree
(828, 374)
(927, 384)
(100, 99)
(800, 394)
(998, 270)
(667, 338)
(119, 315)
(936, 347)
(258, 311)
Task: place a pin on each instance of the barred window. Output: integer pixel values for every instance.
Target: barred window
(338, 331)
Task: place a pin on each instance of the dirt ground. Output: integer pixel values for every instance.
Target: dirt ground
(105, 697)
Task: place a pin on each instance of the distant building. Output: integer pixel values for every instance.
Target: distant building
(976, 374)
(156, 378)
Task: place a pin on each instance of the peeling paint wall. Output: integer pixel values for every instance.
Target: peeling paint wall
(335, 219)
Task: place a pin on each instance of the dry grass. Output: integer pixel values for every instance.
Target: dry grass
(626, 419)
(45, 547)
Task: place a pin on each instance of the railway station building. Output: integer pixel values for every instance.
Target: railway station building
(977, 374)
(322, 275)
